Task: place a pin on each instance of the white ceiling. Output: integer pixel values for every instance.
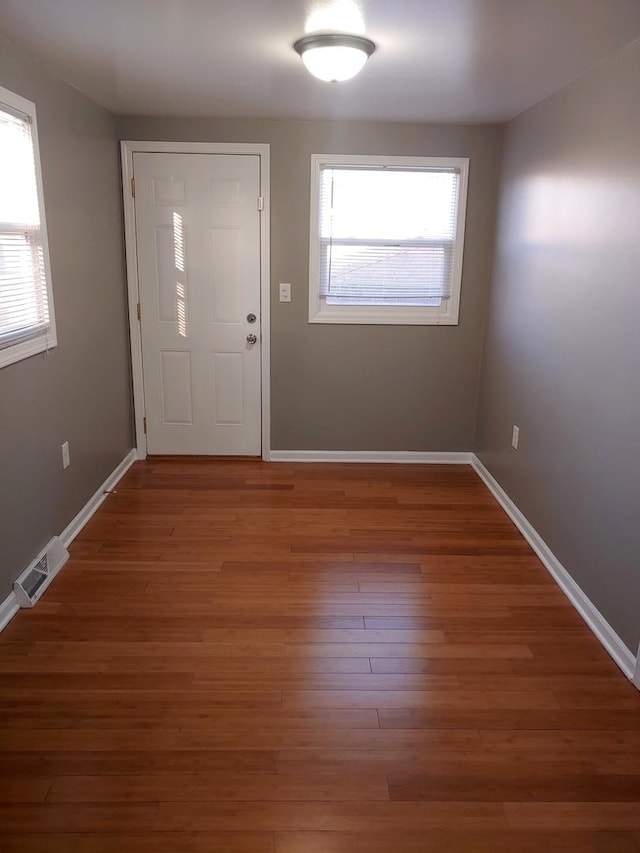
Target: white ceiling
(437, 60)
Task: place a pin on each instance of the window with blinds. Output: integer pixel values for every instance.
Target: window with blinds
(386, 241)
(26, 321)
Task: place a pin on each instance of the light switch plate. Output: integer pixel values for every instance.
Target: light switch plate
(285, 291)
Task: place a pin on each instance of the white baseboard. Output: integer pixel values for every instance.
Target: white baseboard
(396, 457)
(76, 524)
(9, 607)
(591, 615)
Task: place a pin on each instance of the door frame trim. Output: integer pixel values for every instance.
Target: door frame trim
(128, 148)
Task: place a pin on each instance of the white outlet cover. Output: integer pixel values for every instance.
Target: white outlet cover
(66, 459)
(515, 437)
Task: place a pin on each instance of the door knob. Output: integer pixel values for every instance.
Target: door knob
(252, 339)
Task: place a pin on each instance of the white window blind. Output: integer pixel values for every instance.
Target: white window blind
(387, 235)
(24, 308)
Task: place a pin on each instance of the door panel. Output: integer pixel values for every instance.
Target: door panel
(198, 244)
(228, 388)
(175, 387)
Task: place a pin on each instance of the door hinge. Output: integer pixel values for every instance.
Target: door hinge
(260, 203)
(144, 425)
(133, 187)
(139, 312)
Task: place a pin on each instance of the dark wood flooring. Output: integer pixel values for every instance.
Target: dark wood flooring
(243, 657)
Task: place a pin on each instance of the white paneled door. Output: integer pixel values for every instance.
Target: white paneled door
(198, 249)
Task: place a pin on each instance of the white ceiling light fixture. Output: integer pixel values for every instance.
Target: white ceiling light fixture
(334, 57)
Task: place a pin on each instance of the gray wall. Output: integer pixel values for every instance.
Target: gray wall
(80, 391)
(362, 387)
(562, 354)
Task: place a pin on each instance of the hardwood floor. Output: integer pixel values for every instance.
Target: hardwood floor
(251, 658)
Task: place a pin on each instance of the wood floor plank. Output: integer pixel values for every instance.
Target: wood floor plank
(156, 842)
(510, 660)
(474, 651)
(383, 699)
(216, 787)
(196, 717)
(79, 817)
(321, 636)
(108, 762)
(439, 841)
(257, 658)
(345, 816)
(508, 720)
(20, 788)
(595, 741)
(588, 815)
(531, 781)
(443, 760)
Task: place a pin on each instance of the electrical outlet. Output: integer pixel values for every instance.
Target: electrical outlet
(515, 437)
(66, 459)
(285, 292)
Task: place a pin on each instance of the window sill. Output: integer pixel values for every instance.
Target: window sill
(25, 349)
(383, 317)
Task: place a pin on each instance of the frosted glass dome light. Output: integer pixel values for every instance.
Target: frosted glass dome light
(333, 57)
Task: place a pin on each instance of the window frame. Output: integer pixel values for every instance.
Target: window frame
(47, 339)
(445, 314)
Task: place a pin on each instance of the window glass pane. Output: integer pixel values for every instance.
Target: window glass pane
(383, 274)
(388, 203)
(23, 302)
(24, 309)
(19, 195)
